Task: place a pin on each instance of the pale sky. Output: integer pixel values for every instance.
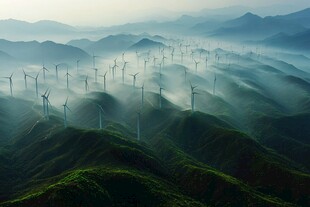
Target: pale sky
(109, 12)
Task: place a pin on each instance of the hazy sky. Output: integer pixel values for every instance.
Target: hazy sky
(108, 12)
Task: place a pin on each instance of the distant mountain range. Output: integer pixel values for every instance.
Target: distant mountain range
(248, 27)
(37, 52)
(299, 41)
(117, 43)
(253, 27)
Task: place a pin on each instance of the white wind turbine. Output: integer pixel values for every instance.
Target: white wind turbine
(44, 69)
(36, 83)
(25, 79)
(160, 96)
(192, 96)
(56, 69)
(86, 84)
(196, 65)
(104, 81)
(65, 112)
(214, 84)
(67, 75)
(123, 71)
(46, 103)
(142, 95)
(145, 62)
(100, 115)
(11, 83)
(134, 79)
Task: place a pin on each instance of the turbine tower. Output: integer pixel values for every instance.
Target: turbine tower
(86, 84)
(192, 96)
(68, 74)
(214, 84)
(96, 74)
(100, 115)
(36, 81)
(123, 71)
(65, 112)
(160, 96)
(145, 62)
(46, 102)
(94, 60)
(134, 79)
(154, 60)
(56, 69)
(104, 81)
(25, 78)
(142, 95)
(11, 83)
(44, 69)
(196, 65)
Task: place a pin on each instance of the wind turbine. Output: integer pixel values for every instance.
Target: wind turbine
(86, 84)
(145, 61)
(104, 81)
(134, 79)
(193, 96)
(186, 47)
(196, 65)
(11, 83)
(142, 95)
(68, 74)
(163, 60)
(123, 71)
(154, 60)
(94, 60)
(160, 64)
(36, 80)
(25, 78)
(46, 102)
(172, 54)
(56, 69)
(123, 56)
(214, 84)
(185, 74)
(65, 112)
(193, 100)
(206, 62)
(160, 96)
(44, 69)
(100, 115)
(192, 54)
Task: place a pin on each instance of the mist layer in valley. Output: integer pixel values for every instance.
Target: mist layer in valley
(188, 112)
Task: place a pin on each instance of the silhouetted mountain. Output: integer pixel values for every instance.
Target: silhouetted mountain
(145, 44)
(253, 27)
(81, 43)
(35, 51)
(15, 29)
(112, 43)
(299, 41)
(300, 17)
